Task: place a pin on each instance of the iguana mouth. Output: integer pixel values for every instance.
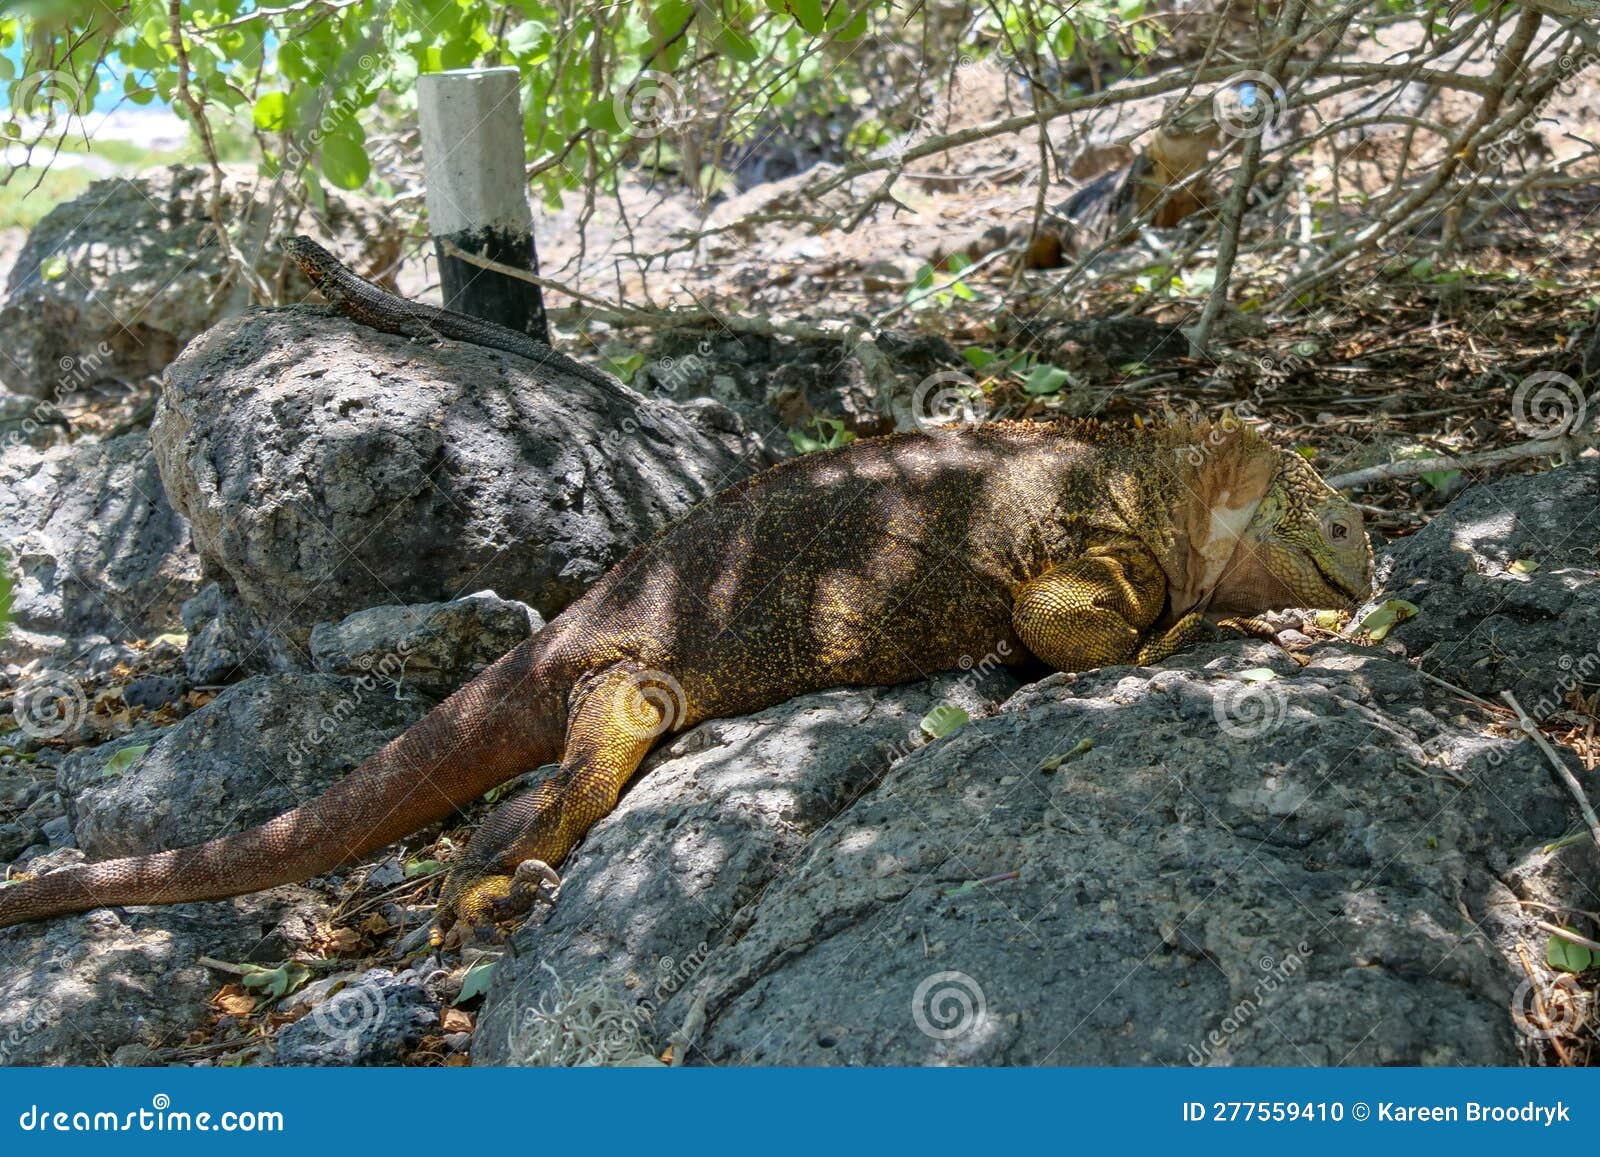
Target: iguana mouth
(1337, 583)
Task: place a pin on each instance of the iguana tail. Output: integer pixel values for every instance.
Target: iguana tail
(504, 722)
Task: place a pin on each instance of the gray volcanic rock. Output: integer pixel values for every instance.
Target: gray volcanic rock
(326, 468)
(87, 989)
(93, 547)
(1225, 860)
(718, 815)
(1507, 587)
(112, 284)
(433, 648)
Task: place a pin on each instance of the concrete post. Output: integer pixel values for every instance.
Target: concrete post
(472, 155)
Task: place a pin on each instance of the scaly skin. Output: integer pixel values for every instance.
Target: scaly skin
(371, 305)
(884, 561)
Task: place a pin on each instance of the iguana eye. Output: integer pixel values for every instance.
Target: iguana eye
(1338, 531)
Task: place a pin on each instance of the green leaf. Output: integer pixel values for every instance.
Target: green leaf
(1045, 379)
(1569, 957)
(625, 367)
(602, 117)
(53, 268)
(1386, 617)
(944, 719)
(1523, 566)
(344, 161)
(476, 982)
(271, 114)
(416, 868)
(737, 45)
(977, 357)
(524, 37)
(275, 983)
(1258, 675)
(855, 28)
(123, 760)
(809, 15)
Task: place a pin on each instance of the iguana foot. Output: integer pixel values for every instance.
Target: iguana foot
(477, 909)
(1252, 628)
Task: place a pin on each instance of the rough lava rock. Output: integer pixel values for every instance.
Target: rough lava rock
(433, 648)
(112, 284)
(371, 1021)
(1186, 866)
(1507, 585)
(94, 548)
(326, 468)
(258, 749)
(718, 815)
(228, 642)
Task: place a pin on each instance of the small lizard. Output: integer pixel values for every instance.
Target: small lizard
(372, 306)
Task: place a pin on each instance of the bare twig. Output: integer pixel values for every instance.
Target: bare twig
(1563, 446)
(1561, 769)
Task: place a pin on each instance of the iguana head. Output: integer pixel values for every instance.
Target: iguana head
(1303, 547)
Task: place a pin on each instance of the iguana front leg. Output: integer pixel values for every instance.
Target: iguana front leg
(1092, 611)
(612, 725)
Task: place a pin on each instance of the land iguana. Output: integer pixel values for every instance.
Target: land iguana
(1164, 184)
(887, 560)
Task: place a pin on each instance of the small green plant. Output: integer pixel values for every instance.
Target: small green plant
(941, 287)
(830, 435)
(1561, 953)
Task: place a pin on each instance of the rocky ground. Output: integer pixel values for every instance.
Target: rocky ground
(232, 586)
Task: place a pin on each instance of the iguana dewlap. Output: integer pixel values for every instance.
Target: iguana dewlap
(887, 560)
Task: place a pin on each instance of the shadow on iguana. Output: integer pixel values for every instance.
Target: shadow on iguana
(888, 560)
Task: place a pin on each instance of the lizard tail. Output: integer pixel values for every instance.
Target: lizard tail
(500, 724)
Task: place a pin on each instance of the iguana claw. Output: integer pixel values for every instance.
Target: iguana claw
(493, 900)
